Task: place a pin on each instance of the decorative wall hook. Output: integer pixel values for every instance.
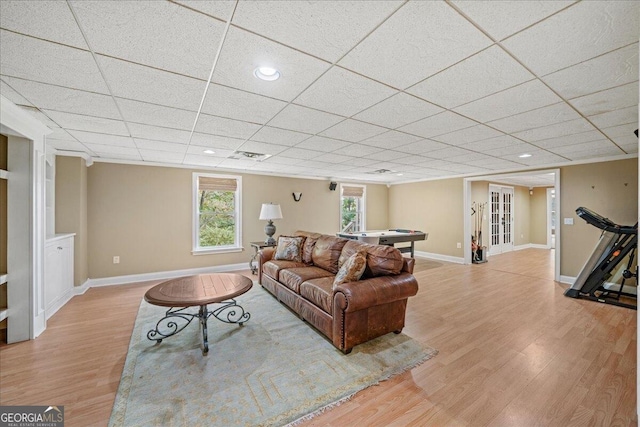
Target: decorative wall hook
(297, 196)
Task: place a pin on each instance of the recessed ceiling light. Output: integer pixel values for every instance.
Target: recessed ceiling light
(209, 152)
(266, 73)
(524, 156)
(399, 174)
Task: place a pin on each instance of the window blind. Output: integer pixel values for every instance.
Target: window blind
(352, 191)
(217, 184)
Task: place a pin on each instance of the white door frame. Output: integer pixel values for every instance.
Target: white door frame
(466, 195)
(549, 236)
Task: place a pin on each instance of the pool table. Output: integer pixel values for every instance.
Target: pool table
(389, 237)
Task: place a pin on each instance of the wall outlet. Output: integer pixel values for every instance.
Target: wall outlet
(458, 245)
(568, 221)
(116, 260)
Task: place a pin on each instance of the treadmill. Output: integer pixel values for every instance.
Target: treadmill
(616, 242)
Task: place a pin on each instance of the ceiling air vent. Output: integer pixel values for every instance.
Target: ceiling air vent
(249, 155)
(381, 171)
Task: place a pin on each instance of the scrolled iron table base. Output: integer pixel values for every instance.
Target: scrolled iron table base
(176, 319)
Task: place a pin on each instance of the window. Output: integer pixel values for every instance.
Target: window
(352, 208)
(217, 211)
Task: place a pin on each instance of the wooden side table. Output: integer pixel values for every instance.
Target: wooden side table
(257, 246)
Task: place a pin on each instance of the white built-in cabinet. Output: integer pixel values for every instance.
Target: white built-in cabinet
(58, 267)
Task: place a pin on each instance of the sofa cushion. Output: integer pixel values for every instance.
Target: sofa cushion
(319, 292)
(289, 248)
(383, 261)
(309, 243)
(272, 268)
(350, 248)
(327, 251)
(292, 278)
(352, 269)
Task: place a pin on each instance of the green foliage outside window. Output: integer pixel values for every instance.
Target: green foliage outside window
(217, 218)
(350, 213)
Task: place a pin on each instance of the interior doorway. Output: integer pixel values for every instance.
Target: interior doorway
(531, 189)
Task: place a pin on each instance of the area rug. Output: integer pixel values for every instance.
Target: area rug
(275, 370)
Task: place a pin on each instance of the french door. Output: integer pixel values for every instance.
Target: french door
(501, 219)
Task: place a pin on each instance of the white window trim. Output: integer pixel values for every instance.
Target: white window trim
(237, 245)
(364, 207)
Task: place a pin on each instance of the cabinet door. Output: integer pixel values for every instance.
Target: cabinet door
(53, 273)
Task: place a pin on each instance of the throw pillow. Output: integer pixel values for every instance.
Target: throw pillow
(352, 269)
(289, 248)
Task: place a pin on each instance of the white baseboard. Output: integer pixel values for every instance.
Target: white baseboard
(567, 279)
(530, 246)
(439, 257)
(159, 275)
(59, 302)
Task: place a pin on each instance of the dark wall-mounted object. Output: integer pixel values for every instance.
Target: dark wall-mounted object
(636, 132)
(296, 196)
(332, 186)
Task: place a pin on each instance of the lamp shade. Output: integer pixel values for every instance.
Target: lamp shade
(270, 211)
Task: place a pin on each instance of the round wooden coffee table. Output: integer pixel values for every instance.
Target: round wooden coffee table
(201, 290)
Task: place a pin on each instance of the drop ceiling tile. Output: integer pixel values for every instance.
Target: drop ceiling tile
(301, 154)
(480, 75)
(106, 150)
(496, 163)
(514, 149)
(58, 98)
(103, 139)
(525, 97)
(631, 148)
(236, 104)
(194, 159)
(621, 130)
(391, 139)
(357, 150)
(220, 9)
(239, 164)
(216, 141)
(225, 127)
(353, 131)
(424, 146)
(556, 130)
(158, 115)
(336, 159)
(161, 156)
(478, 159)
(419, 40)
(146, 84)
(463, 169)
(416, 159)
(342, 92)
(398, 110)
(159, 133)
(49, 63)
(34, 18)
(439, 124)
(539, 158)
(67, 145)
(465, 136)
(13, 96)
(262, 147)
(578, 33)
(501, 19)
(243, 52)
(387, 155)
(302, 119)
(324, 29)
(607, 100)
(447, 153)
(604, 72)
(354, 161)
(152, 34)
(59, 133)
(497, 142)
(71, 121)
(616, 117)
(595, 147)
(577, 138)
(279, 136)
(148, 145)
(556, 113)
(200, 151)
(44, 119)
(322, 144)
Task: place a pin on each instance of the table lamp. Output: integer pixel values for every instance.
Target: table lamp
(270, 212)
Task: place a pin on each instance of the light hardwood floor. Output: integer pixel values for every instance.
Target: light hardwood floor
(513, 351)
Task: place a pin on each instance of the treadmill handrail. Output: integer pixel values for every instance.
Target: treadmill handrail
(605, 224)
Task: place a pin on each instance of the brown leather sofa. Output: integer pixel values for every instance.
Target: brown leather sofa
(350, 313)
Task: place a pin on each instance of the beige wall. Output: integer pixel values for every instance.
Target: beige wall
(538, 217)
(521, 216)
(71, 210)
(610, 189)
(434, 207)
(143, 214)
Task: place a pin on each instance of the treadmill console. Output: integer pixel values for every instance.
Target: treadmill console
(605, 224)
